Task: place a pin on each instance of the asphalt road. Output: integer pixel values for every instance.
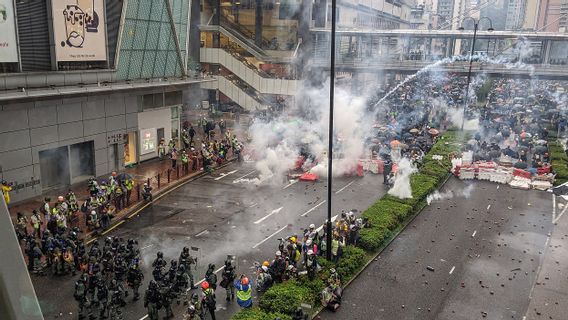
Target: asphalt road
(487, 252)
(220, 215)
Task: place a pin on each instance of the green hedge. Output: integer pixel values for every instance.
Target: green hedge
(285, 297)
(385, 216)
(559, 161)
(256, 313)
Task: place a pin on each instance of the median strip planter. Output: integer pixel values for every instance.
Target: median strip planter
(387, 217)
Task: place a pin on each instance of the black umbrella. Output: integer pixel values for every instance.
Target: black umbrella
(520, 165)
(540, 150)
(123, 176)
(494, 154)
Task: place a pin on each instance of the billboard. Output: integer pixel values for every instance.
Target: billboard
(79, 30)
(8, 45)
(148, 141)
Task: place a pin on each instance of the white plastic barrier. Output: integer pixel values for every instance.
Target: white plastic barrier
(541, 185)
(485, 174)
(467, 174)
(520, 183)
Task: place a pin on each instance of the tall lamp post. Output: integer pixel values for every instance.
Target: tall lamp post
(330, 133)
(475, 27)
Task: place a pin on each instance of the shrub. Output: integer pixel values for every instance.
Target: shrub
(559, 162)
(371, 239)
(352, 260)
(256, 313)
(285, 297)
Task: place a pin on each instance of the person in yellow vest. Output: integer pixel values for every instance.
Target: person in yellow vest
(6, 188)
(244, 292)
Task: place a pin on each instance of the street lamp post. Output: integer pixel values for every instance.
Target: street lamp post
(330, 134)
(475, 26)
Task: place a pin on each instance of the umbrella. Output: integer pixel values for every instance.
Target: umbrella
(433, 132)
(394, 143)
(541, 142)
(414, 130)
(123, 176)
(540, 150)
(494, 154)
(520, 165)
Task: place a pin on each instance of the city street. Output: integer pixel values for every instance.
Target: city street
(221, 216)
(471, 258)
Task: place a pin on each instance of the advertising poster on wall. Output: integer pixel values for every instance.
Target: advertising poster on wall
(147, 141)
(8, 45)
(79, 30)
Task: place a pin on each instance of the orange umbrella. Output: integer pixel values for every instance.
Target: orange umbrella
(394, 143)
(433, 132)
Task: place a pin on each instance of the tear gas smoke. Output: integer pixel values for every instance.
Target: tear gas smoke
(440, 196)
(401, 188)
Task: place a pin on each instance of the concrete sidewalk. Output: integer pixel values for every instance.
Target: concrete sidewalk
(141, 173)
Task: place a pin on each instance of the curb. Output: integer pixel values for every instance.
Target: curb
(387, 243)
(136, 209)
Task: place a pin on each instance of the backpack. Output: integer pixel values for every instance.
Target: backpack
(210, 301)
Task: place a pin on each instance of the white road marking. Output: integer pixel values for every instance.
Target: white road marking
(252, 205)
(553, 207)
(270, 236)
(202, 233)
(452, 270)
(474, 232)
(554, 220)
(246, 175)
(268, 215)
(489, 206)
(350, 183)
(312, 209)
(291, 183)
(226, 174)
(332, 221)
(148, 246)
(497, 187)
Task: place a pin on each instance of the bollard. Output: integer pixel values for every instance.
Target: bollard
(169, 170)
(148, 182)
(138, 192)
(158, 177)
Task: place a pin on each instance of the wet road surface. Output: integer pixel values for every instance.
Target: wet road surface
(486, 252)
(221, 215)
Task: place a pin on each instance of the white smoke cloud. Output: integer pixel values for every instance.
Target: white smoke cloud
(401, 188)
(440, 196)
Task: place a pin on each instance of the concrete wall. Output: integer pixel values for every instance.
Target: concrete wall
(28, 128)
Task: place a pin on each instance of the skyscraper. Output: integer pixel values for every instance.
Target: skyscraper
(516, 10)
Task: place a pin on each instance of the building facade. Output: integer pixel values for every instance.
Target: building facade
(83, 100)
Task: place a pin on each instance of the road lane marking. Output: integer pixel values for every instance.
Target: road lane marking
(246, 175)
(553, 207)
(489, 206)
(452, 270)
(268, 215)
(291, 183)
(555, 220)
(148, 246)
(226, 174)
(202, 233)
(332, 220)
(270, 236)
(350, 183)
(474, 232)
(112, 228)
(252, 205)
(312, 209)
